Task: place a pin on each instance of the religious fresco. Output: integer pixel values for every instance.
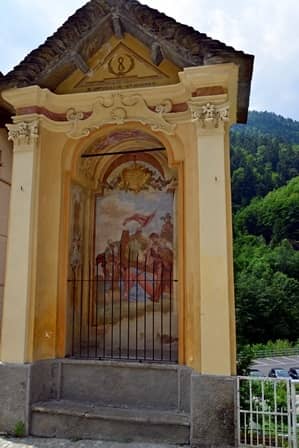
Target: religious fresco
(78, 204)
(135, 252)
(87, 166)
(123, 291)
(77, 296)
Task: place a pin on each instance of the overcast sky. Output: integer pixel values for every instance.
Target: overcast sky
(269, 29)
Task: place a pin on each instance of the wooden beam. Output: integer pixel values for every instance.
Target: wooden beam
(80, 63)
(156, 53)
(117, 27)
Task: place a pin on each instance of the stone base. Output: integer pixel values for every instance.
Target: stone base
(211, 421)
(21, 385)
(213, 411)
(77, 420)
(14, 397)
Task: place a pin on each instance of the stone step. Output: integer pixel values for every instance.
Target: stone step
(71, 419)
(138, 385)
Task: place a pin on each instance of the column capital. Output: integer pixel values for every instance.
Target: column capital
(209, 115)
(23, 133)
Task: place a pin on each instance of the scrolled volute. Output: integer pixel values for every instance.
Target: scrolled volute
(23, 133)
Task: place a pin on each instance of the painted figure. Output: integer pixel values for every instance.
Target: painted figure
(138, 264)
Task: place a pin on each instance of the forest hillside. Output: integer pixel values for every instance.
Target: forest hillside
(265, 190)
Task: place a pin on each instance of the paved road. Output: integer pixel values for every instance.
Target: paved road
(282, 362)
(32, 442)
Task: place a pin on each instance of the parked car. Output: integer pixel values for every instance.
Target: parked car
(255, 372)
(276, 372)
(294, 373)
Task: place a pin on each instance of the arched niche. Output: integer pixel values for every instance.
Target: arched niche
(123, 251)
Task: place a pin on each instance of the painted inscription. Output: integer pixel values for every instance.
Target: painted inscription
(121, 65)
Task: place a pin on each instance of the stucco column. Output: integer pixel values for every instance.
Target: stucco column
(215, 240)
(20, 251)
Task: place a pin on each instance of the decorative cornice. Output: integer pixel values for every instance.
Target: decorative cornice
(93, 24)
(118, 109)
(165, 107)
(72, 115)
(209, 115)
(23, 133)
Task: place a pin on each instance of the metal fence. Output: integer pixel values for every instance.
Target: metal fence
(127, 311)
(267, 412)
(267, 353)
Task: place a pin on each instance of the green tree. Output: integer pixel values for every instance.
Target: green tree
(265, 188)
(267, 290)
(275, 217)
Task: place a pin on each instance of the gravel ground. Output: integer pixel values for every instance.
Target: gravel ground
(32, 442)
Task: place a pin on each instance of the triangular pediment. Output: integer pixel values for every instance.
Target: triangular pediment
(120, 63)
(75, 58)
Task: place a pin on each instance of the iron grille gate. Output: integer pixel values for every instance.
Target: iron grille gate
(267, 411)
(126, 311)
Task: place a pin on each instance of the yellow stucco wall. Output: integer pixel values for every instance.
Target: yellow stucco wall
(196, 144)
(5, 182)
(49, 218)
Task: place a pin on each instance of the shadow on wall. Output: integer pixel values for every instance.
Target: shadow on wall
(5, 185)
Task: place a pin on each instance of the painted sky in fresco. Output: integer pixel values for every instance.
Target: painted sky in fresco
(266, 28)
(112, 209)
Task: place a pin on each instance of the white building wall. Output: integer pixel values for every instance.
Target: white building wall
(5, 183)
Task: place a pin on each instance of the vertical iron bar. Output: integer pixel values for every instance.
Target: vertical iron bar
(257, 425)
(275, 411)
(281, 427)
(170, 313)
(128, 298)
(289, 411)
(161, 306)
(144, 317)
(136, 310)
(263, 410)
(238, 412)
(81, 313)
(89, 287)
(120, 300)
(104, 319)
(269, 428)
(251, 412)
(96, 299)
(112, 310)
(245, 428)
(154, 291)
(74, 309)
(294, 413)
